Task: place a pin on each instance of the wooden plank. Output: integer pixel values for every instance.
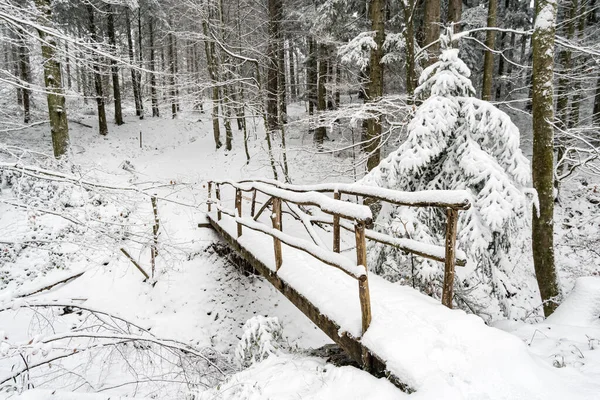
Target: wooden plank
(363, 283)
(209, 202)
(328, 205)
(264, 206)
(253, 206)
(351, 345)
(336, 226)
(391, 241)
(451, 226)
(276, 219)
(218, 195)
(426, 198)
(238, 207)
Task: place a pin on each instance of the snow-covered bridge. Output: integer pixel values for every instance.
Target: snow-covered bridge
(311, 245)
(298, 262)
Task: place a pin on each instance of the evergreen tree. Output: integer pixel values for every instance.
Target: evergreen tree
(456, 141)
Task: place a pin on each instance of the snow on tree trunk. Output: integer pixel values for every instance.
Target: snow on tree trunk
(456, 141)
(53, 81)
(543, 153)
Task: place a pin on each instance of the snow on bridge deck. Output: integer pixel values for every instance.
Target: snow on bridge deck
(430, 349)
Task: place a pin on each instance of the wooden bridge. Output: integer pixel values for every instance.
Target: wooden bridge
(287, 245)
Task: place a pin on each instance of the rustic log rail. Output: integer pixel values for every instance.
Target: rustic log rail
(348, 216)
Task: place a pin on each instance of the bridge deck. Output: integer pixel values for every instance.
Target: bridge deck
(417, 342)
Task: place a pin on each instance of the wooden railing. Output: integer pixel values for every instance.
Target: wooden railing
(343, 215)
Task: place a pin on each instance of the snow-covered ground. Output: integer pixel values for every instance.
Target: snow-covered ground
(200, 299)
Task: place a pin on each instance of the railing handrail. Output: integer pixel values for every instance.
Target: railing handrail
(327, 257)
(456, 199)
(328, 205)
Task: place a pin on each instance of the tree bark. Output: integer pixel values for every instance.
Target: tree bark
(55, 98)
(25, 76)
(490, 42)
(543, 154)
(576, 87)
(113, 65)
(454, 13)
(152, 67)
(321, 131)
(596, 110)
(141, 63)
(292, 72)
(273, 55)
(172, 71)
(408, 8)
(282, 84)
(102, 125)
(565, 61)
(375, 82)
(311, 76)
(134, 80)
(431, 25)
(209, 49)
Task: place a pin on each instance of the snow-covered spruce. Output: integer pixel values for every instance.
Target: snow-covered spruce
(456, 141)
(262, 337)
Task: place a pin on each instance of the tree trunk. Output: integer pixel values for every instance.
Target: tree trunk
(454, 13)
(273, 53)
(321, 131)
(543, 154)
(152, 67)
(376, 82)
(113, 65)
(282, 84)
(596, 110)
(172, 71)
(565, 61)
(488, 62)
(25, 76)
(141, 63)
(579, 65)
(409, 37)
(292, 72)
(68, 66)
(134, 80)
(212, 72)
(57, 112)
(431, 25)
(338, 81)
(311, 76)
(102, 125)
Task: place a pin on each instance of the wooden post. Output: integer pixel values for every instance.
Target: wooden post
(363, 289)
(253, 206)
(154, 248)
(276, 219)
(209, 196)
(238, 207)
(336, 226)
(363, 283)
(451, 225)
(218, 195)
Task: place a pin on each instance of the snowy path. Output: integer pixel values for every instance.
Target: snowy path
(440, 353)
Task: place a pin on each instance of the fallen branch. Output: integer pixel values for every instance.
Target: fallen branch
(80, 123)
(135, 263)
(50, 286)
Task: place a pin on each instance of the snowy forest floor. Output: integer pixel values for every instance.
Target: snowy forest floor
(199, 297)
